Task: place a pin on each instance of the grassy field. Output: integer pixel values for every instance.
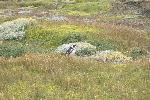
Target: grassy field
(30, 70)
(53, 76)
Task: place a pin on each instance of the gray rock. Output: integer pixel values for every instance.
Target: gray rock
(79, 46)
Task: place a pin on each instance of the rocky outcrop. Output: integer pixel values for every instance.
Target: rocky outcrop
(79, 47)
(88, 51)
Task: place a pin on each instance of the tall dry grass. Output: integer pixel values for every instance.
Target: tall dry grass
(54, 76)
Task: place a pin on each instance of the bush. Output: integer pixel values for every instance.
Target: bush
(146, 12)
(14, 29)
(137, 53)
(10, 50)
(75, 37)
(105, 45)
(85, 52)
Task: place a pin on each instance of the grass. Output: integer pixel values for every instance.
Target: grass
(103, 35)
(53, 76)
(26, 3)
(36, 3)
(86, 9)
(5, 19)
(40, 74)
(49, 35)
(54, 34)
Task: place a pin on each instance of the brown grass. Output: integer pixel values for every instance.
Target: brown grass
(54, 76)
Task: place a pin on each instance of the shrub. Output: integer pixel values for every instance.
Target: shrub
(10, 50)
(105, 45)
(137, 53)
(14, 29)
(75, 37)
(146, 12)
(85, 52)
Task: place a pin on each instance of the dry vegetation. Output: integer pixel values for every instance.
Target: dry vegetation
(53, 76)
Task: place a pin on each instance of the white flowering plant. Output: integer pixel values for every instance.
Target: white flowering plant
(14, 29)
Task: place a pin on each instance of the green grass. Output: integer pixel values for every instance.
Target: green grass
(49, 35)
(85, 9)
(52, 76)
(105, 37)
(12, 49)
(5, 19)
(53, 35)
(36, 3)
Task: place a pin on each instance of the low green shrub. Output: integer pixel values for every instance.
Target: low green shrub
(137, 53)
(12, 50)
(146, 12)
(86, 52)
(105, 45)
(75, 37)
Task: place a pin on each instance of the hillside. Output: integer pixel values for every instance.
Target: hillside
(111, 60)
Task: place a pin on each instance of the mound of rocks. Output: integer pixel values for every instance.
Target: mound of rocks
(79, 47)
(14, 29)
(88, 51)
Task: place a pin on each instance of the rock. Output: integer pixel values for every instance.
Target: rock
(14, 29)
(79, 46)
(102, 56)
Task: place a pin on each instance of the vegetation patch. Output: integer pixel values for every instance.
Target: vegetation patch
(137, 53)
(53, 35)
(14, 29)
(89, 7)
(12, 50)
(86, 52)
(74, 37)
(64, 77)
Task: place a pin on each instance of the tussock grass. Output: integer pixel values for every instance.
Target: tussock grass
(53, 76)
